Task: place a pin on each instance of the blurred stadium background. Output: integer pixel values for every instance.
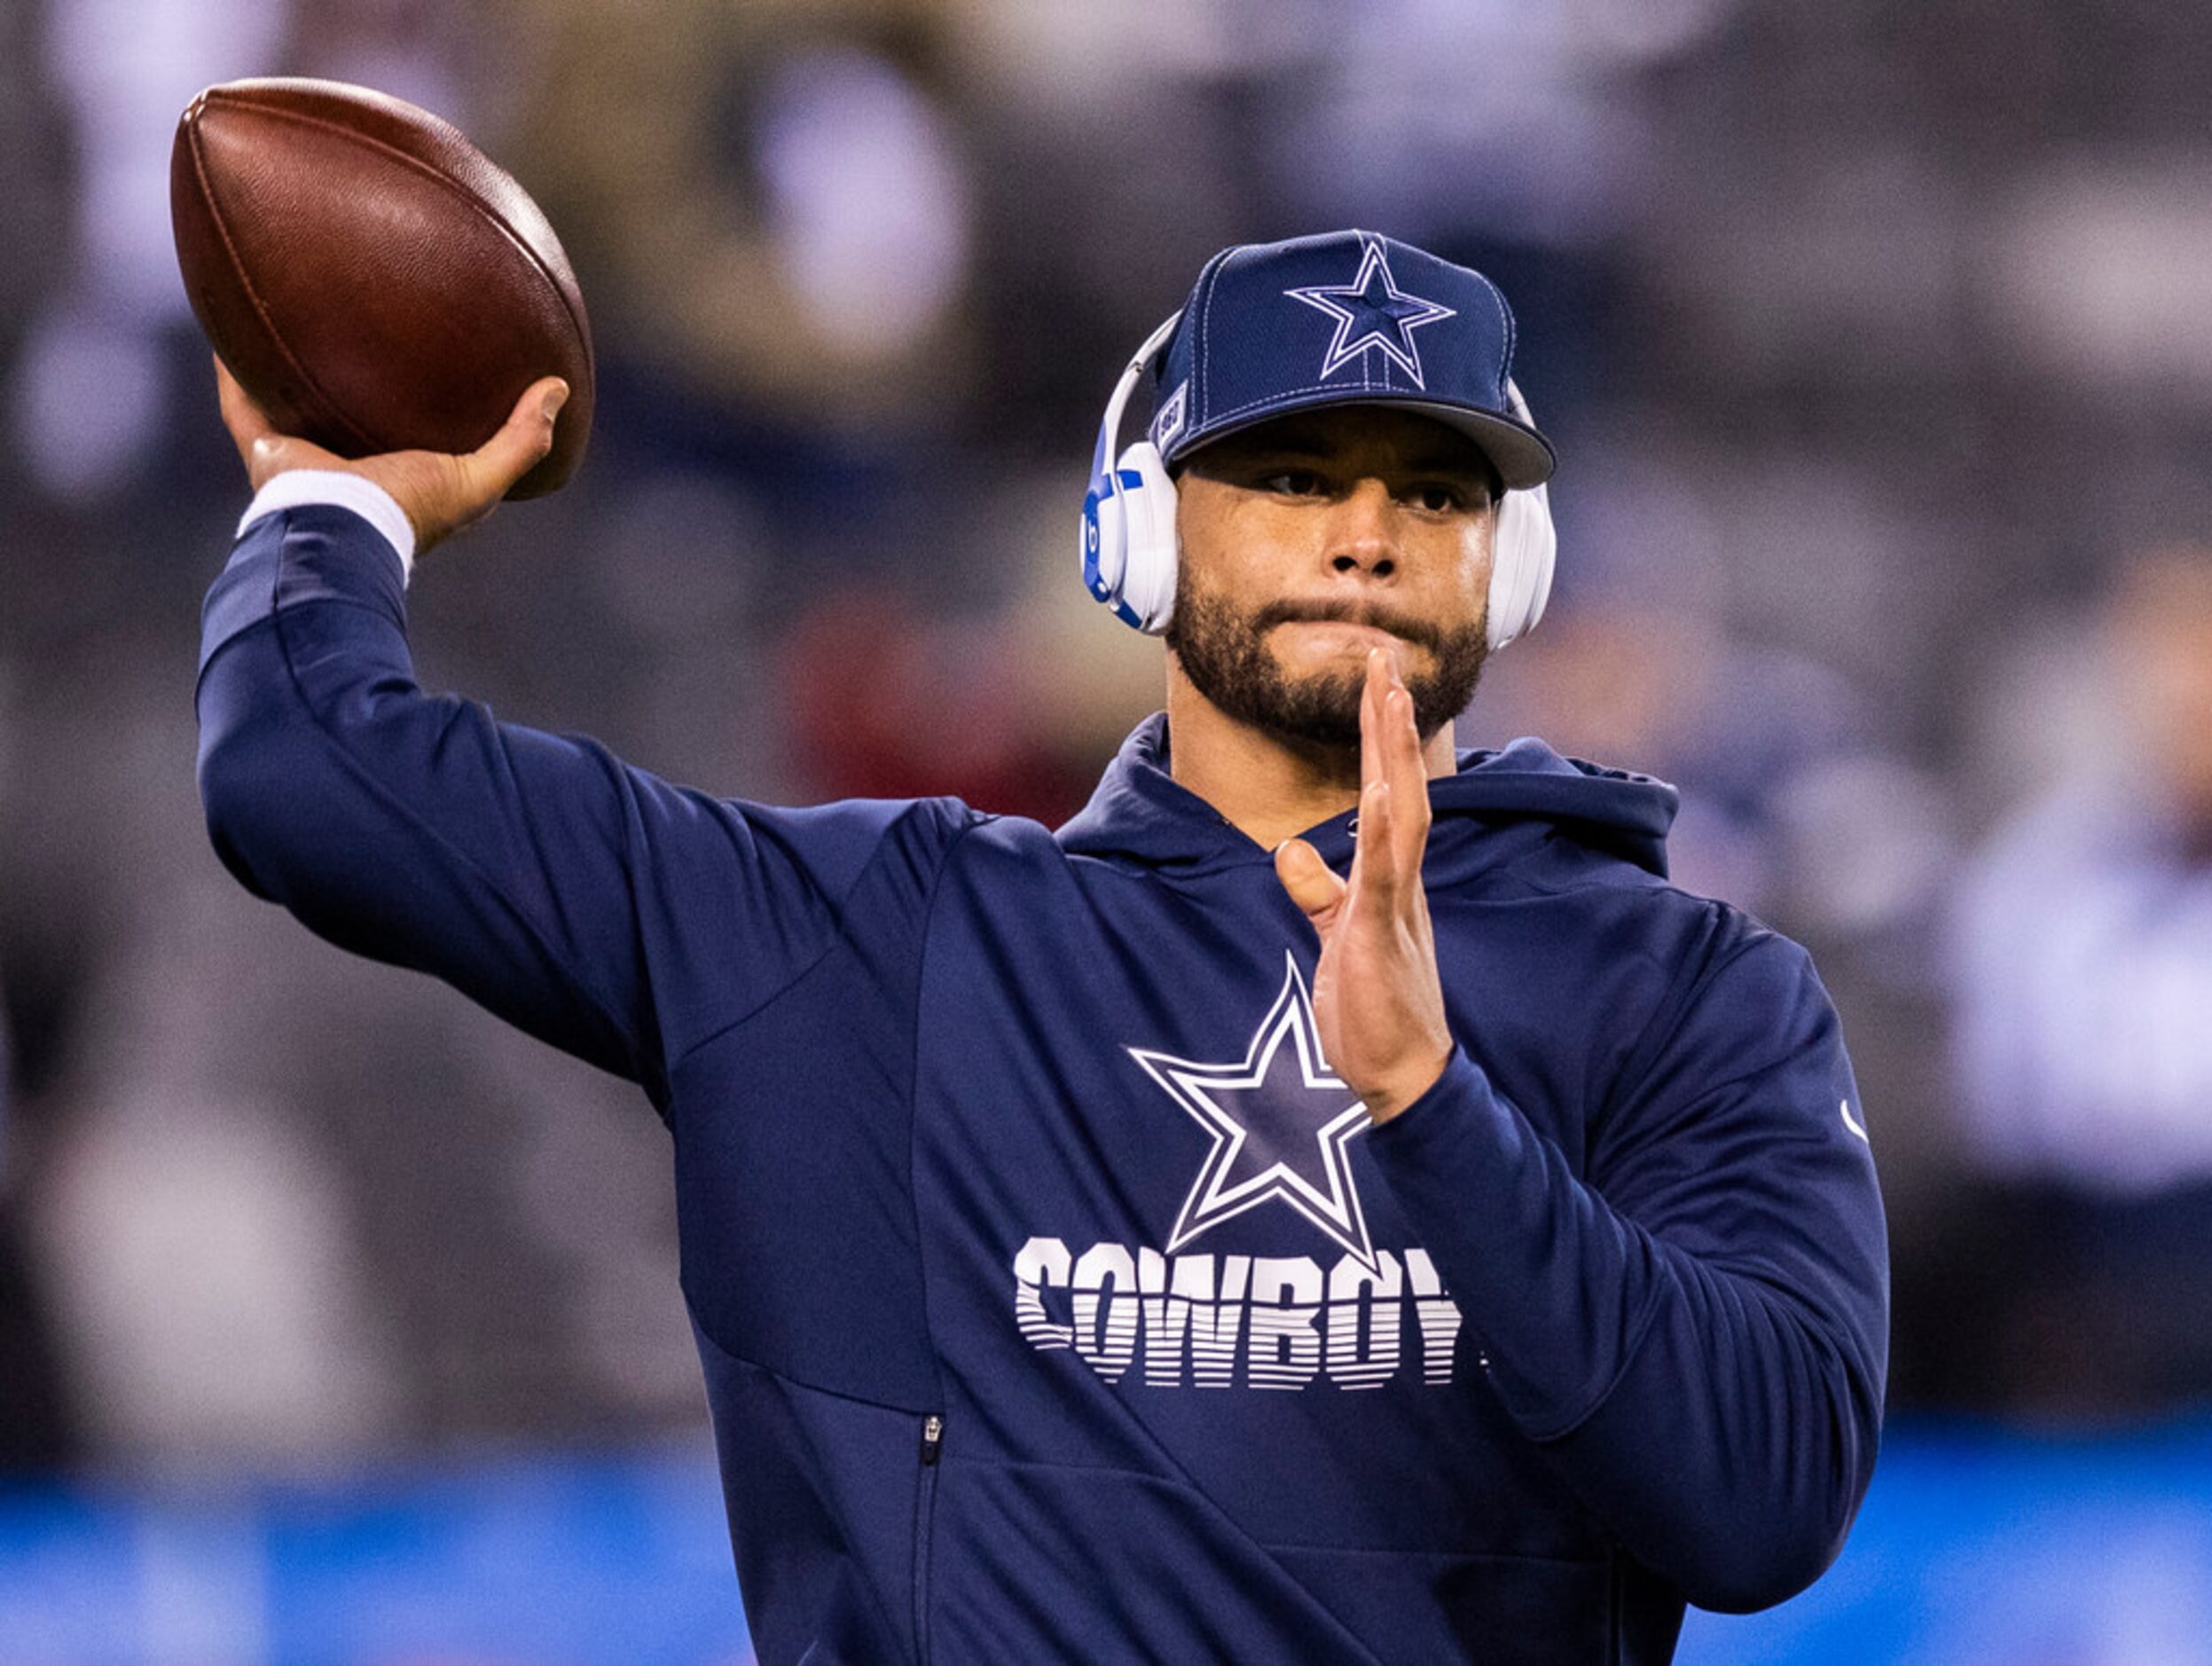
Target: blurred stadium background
(337, 1324)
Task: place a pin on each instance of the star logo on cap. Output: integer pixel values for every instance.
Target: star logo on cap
(1281, 1123)
(1372, 314)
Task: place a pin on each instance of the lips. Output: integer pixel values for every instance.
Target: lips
(1420, 633)
(1352, 628)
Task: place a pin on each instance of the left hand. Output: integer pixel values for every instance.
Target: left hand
(1377, 996)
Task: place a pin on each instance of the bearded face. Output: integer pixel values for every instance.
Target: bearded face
(1308, 542)
(1225, 652)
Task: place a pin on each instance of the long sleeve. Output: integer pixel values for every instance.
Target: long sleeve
(592, 904)
(1697, 1331)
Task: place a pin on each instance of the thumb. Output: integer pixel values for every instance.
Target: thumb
(522, 439)
(1312, 886)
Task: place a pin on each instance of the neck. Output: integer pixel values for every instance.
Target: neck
(1266, 787)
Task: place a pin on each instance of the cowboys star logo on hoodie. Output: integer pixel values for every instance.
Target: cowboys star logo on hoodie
(1280, 1124)
(1281, 1121)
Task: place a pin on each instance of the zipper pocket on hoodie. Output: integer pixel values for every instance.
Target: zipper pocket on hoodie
(925, 1511)
(1613, 1595)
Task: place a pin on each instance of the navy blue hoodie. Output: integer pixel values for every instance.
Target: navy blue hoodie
(1055, 1301)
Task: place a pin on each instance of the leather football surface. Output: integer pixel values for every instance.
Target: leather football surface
(371, 277)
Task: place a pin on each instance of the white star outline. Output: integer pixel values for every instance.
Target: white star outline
(1404, 352)
(1187, 1082)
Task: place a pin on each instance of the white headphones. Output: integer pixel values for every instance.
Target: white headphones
(1129, 545)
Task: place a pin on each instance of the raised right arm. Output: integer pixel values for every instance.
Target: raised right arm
(593, 905)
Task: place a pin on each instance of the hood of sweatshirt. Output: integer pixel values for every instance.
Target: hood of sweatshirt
(1498, 804)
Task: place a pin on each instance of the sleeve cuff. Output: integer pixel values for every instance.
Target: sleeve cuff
(300, 488)
(1423, 1121)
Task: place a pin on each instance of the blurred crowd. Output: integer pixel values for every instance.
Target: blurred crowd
(1874, 340)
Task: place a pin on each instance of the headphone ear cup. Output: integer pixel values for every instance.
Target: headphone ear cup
(1128, 534)
(1523, 551)
(1148, 572)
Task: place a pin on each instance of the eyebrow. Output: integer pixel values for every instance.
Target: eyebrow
(1471, 463)
(1293, 446)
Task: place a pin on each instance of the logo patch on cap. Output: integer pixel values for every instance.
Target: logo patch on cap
(1169, 422)
(1373, 315)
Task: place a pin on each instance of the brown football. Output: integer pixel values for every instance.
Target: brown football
(370, 277)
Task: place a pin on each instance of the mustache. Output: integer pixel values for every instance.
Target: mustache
(1409, 627)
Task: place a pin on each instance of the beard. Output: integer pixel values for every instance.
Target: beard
(1223, 651)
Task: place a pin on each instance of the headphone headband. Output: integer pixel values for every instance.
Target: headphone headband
(1109, 427)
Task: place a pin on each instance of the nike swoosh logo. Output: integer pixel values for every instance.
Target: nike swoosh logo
(1851, 1121)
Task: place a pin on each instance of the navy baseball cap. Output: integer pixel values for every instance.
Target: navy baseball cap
(1346, 318)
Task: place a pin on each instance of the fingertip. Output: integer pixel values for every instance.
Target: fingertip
(1298, 863)
(538, 406)
(233, 399)
(1309, 880)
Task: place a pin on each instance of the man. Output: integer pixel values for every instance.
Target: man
(1331, 1201)
(2082, 968)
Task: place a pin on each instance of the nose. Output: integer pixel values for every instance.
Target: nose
(1363, 532)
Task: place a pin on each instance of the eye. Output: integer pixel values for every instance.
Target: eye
(1438, 497)
(1291, 482)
